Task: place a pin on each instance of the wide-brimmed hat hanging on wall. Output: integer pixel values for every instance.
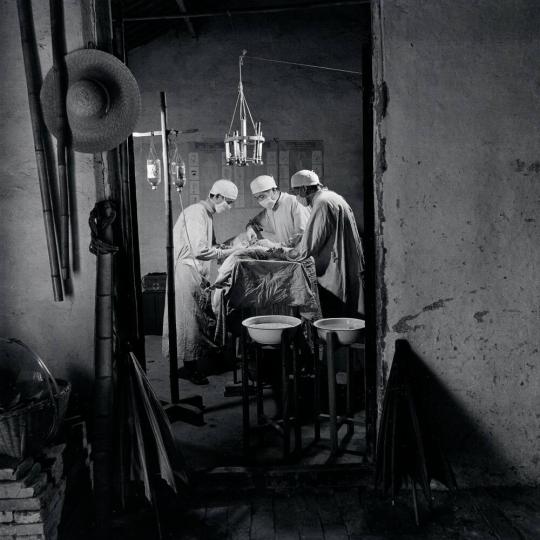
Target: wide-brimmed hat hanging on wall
(103, 101)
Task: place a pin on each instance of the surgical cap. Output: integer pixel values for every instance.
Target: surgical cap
(262, 183)
(304, 178)
(225, 188)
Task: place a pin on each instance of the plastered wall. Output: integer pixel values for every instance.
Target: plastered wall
(60, 332)
(200, 77)
(458, 205)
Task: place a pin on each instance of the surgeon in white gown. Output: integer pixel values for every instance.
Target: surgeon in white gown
(194, 249)
(331, 237)
(283, 219)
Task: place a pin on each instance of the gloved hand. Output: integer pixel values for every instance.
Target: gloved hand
(207, 254)
(224, 253)
(215, 253)
(251, 234)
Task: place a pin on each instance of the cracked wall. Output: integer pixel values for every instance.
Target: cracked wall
(457, 227)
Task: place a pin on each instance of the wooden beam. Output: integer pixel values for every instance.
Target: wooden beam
(97, 32)
(189, 24)
(252, 11)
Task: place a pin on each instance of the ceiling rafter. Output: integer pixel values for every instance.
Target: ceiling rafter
(189, 24)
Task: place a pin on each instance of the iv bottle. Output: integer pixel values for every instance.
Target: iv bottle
(178, 174)
(153, 166)
(153, 172)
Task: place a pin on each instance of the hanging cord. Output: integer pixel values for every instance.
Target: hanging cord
(152, 149)
(244, 105)
(240, 98)
(185, 223)
(251, 117)
(102, 216)
(234, 112)
(175, 153)
(304, 65)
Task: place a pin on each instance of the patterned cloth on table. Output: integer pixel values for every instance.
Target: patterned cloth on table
(264, 287)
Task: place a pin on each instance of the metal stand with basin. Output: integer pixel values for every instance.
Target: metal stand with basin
(271, 332)
(336, 333)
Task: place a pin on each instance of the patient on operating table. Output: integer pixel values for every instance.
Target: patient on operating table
(261, 249)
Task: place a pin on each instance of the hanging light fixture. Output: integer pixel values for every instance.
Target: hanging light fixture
(240, 148)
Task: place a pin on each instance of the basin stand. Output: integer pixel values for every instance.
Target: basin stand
(330, 347)
(284, 427)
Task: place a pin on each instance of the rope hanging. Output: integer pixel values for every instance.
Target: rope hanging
(102, 215)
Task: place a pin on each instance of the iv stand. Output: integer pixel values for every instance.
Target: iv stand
(171, 305)
(191, 409)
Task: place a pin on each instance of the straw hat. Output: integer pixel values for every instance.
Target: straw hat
(102, 102)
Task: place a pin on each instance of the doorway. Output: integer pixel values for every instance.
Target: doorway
(302, 110)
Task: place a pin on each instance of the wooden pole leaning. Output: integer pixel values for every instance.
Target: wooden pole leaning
(62, 141)
(97, 32)
(171, 302)
(39, 131)
(102, 445)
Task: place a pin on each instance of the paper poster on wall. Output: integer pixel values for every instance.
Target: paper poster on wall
(226, 172)
(240, 200)
(194, 188)
(205, 163)
(193, 159)
(272, 170)
(271, 158)
(284, 175)
(318, 170)
(239, 175)
(212, 171)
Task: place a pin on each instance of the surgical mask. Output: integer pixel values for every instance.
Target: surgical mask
(223, 206)
(302, 200)
(268, 203)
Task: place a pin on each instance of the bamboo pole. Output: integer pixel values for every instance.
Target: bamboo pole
(97, 31)
(60, 80)
(171, 304)
(33, 84)
(103, 369)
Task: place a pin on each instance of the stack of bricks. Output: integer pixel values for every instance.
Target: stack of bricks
(32, 496)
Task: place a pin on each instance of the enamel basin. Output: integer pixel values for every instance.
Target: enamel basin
(348, 330)
(267, 329)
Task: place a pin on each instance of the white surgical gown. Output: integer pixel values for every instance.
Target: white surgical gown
(193, 336)
(332, 239)
(285, 222)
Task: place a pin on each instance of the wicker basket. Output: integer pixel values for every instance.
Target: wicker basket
(25, 430)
